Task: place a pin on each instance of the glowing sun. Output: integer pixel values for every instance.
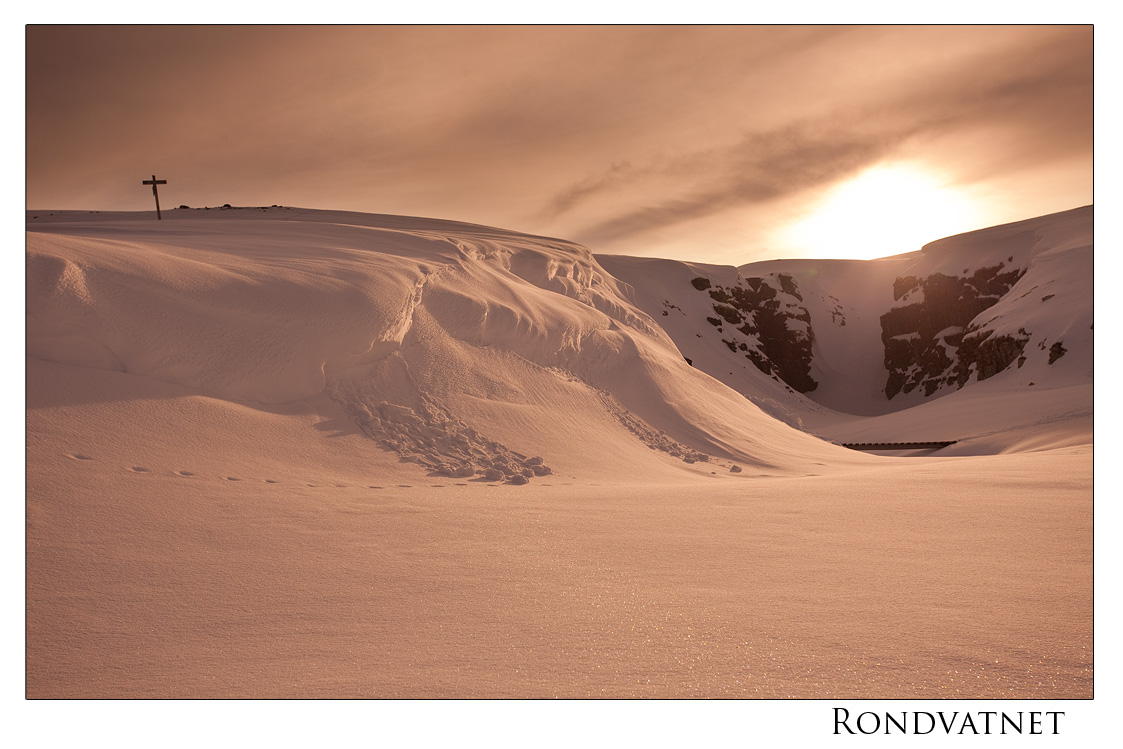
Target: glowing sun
(883, 211)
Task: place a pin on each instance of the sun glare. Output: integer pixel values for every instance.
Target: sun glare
(885, 210)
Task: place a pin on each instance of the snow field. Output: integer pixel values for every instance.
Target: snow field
(315, 454)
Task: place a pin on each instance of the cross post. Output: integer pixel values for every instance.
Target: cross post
(155, 194)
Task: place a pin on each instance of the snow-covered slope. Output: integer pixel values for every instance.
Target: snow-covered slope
(474, 352)
(288, 453)
(454, 345)
(979, 315)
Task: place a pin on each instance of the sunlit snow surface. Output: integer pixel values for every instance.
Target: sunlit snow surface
(278, 452)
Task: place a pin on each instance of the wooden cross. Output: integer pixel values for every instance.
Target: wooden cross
(155, 194)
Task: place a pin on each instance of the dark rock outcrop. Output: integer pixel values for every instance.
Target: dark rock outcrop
(931, 343)
(989, 353)
(771, 327)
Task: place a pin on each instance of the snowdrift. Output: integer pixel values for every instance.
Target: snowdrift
(471, 351)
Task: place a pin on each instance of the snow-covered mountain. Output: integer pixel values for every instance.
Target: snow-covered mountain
(289, 453)
(434, 336)
(1010, 305)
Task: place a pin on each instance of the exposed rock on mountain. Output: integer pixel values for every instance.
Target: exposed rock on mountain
(774, 327)
(872, 337)
(928, 337)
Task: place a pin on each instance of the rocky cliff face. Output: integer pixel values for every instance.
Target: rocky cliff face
(1010, 304)
(929, 338)
(764, 319)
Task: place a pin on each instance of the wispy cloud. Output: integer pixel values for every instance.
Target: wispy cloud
(593, 133)
(1036, 96)
(762, 167)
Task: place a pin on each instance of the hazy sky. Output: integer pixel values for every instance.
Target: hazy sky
(723, 144)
